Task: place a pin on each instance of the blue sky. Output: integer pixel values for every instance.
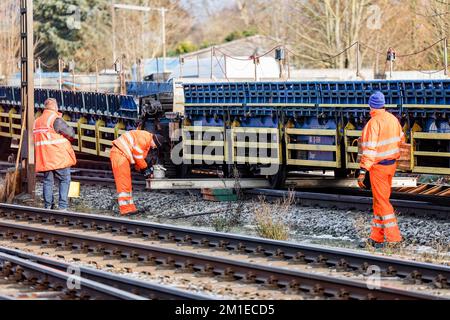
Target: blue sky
(200, 13)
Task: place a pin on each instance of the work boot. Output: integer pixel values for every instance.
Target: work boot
(393, 245)
(369, 243)
(130, 214)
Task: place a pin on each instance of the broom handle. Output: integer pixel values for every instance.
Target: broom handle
(22, 130)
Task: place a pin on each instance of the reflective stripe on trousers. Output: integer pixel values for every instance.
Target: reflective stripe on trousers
(125, 202)
(384, 225)
(122, 177)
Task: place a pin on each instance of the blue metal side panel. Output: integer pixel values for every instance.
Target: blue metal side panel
(141, 89)
(397, 92)
(86, 102)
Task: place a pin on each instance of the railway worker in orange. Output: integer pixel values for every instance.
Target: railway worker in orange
(381, 140)
(54, 153)
(131, 149)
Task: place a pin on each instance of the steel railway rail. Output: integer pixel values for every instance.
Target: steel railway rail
(70, 235)
(96, 172)
(139, 289)
(411, 204)
(40, 278)
(422, 207)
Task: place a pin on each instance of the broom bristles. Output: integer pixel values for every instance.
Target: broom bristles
(11, 186)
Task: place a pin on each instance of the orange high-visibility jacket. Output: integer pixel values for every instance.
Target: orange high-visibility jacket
(53, 151)
(135, 145)
(381, 139)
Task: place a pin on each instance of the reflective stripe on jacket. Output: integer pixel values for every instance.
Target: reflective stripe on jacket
(135, 145)
(381, 139)
(53, 151)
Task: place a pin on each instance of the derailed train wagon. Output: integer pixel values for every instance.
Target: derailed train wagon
(254, 128)
(298, 126)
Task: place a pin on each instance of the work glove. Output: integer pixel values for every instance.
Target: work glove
(148, 173)
(362, 179)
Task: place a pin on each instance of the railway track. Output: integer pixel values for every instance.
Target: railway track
(346, 201)
(127, 287)
(408, 202)
(310, 271)
(89, 172)
(23, 279)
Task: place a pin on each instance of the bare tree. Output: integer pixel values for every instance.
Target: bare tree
(9, 37)
(138, 34)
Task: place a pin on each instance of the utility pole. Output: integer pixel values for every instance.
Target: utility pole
(446, 56)
(60, 70)
(39, 66)
(27, 91)
(122, 76)
(212, 56)
(162, 11)
(72, 69)
(288, 62)
(358, 52)
(225, 66)
(181, 66)
(198, 67)
(96, 75)
(163, 32)
(113, 25)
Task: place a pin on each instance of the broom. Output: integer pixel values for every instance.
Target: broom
(12, 178)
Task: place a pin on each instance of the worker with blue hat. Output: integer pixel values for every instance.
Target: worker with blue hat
(380, 142)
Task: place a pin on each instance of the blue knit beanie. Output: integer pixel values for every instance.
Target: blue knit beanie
(377, 100)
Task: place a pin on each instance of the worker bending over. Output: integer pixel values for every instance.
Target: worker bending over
(131, 149)
(54, 153)
(381, 140)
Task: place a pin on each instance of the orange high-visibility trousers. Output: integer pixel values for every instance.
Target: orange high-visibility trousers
(122, 176)
(384, 227)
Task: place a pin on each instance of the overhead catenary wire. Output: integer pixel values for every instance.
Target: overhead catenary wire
(220, 65)
(431, 72)
(324, 59)
(421, 51)
(254, 57)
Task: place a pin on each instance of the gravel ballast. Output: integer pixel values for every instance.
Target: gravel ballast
(311, 224)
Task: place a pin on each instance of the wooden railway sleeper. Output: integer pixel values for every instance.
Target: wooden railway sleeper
(342, 265)
(225, 245)
(390, 271)
(259, 251)
(187, 240)
(154, 235)
(279, 254)
(50, 242)
(319, 262)
(294, 287)
(228, 274)
(440, 282)
(204, 242)
(250, 277)
(170, 237)
(299, 257)
(272, 283)
(414, 277)
(317, 290)
(6, 269)
(343, 294)
(207, 270)
(187, 267)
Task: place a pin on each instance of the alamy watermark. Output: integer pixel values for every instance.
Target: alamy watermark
(373, 281)
(259, 147)
(74, 280)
